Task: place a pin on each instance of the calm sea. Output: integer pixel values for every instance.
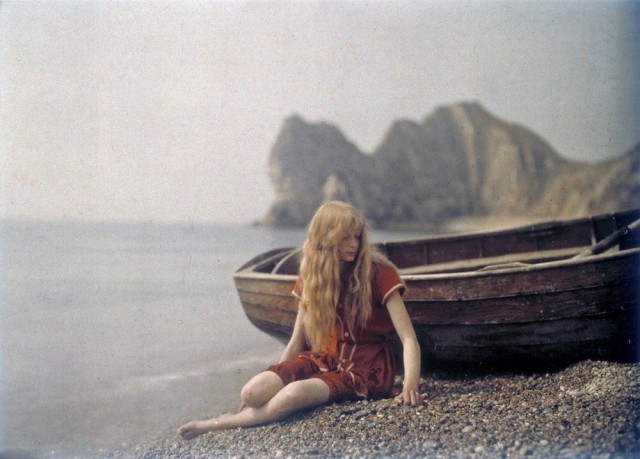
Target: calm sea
(116, 332)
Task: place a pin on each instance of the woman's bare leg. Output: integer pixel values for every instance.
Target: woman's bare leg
(297, 396)
(260, 389)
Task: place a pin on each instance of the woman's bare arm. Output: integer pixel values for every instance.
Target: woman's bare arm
(410, 350)
(297, 341)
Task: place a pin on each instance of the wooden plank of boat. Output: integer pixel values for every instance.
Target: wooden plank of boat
(268, 302)
(567, 339)
(598, 319)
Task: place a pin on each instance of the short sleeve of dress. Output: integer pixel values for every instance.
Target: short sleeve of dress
(297, 289)
(387, 281)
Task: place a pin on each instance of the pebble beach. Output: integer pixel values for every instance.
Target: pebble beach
(589, 409)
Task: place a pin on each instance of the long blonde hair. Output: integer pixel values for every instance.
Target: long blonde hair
(322, 279)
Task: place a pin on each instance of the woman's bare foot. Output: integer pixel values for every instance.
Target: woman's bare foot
(194, 428)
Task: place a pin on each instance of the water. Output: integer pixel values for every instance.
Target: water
(116, 332)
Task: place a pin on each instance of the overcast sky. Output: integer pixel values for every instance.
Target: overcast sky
(151, 110)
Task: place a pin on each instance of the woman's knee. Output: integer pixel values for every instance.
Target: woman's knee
(260, 389)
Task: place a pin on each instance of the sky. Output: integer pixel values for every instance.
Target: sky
(168, 110)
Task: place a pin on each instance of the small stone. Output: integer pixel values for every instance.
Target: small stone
(526, 450)
(360, 414)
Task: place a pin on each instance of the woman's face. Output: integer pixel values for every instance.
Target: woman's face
(349, 245)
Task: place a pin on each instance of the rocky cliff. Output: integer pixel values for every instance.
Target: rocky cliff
(460, 161)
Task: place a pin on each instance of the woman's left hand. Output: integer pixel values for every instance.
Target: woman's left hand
(409, 397)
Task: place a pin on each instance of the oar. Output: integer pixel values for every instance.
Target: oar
(611, 240)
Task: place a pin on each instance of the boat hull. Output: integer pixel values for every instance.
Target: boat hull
(550, 311)
(554, 310)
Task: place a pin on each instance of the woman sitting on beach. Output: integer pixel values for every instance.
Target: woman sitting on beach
(349, 304)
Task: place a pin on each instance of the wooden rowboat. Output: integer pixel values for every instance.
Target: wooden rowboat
(548, 292)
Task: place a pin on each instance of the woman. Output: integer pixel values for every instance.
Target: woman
(349, 305)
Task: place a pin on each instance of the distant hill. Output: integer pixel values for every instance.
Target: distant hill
(461, 161)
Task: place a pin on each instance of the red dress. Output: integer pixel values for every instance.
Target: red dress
(353, 363)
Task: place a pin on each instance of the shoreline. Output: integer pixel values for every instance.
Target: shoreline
(590, 409)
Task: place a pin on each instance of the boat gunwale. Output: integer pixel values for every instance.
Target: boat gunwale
(540, 226)
(264, 256)
(496, 271)
(526, 229)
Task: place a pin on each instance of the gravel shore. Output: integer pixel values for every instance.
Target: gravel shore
(589, 410)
